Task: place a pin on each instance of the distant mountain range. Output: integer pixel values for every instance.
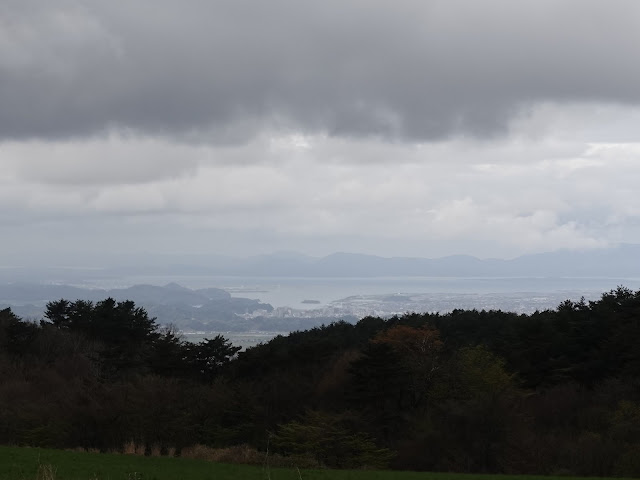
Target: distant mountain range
(620, 261)
(26, 290)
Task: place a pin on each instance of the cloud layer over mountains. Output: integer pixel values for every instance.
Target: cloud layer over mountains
(415, 127)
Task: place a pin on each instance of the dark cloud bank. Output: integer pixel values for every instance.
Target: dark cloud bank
(222, 70)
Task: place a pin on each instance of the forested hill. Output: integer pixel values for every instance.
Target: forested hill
(190, 309)
(556, 391)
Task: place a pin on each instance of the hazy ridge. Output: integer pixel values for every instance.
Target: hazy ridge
(620, 261)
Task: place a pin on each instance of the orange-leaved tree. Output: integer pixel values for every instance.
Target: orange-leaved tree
(419, 349)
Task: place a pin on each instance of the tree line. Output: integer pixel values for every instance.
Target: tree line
(553, 392)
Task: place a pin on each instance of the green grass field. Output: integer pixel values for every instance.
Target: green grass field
(18, 463)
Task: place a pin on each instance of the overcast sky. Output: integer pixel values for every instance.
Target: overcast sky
(408, 128)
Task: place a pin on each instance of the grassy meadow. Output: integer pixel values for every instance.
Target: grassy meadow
(18, 463)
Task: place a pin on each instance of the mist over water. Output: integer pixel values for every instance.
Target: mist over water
(340, 298)
(304, 302)
(292, 292)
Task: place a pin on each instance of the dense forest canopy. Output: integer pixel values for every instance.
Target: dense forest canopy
(557, 391)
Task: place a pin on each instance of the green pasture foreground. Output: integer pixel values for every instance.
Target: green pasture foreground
(18, 463)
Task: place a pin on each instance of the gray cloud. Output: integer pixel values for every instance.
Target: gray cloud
(467, 198)
(415, 127)
(222, 71)
(102, 161)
